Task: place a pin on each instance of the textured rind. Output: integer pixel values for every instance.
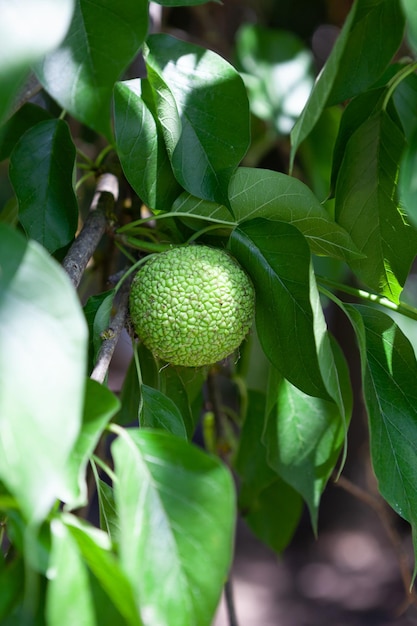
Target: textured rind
(192, 305)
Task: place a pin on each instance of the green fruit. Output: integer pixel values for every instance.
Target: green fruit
(192, 305)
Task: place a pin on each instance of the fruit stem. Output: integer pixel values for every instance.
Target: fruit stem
(172, 214)
(402, 307)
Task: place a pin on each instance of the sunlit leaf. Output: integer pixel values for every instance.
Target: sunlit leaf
(103, 39)
(28, 30)
(43, 341)
(279, 73)
(203, 110)
(176, 512)
(389, 371)
(100, 406)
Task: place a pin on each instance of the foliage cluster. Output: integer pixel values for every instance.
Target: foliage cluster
(182, 141)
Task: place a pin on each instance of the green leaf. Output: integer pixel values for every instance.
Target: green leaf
(274, 514)
(41, 172)
(176, 511)
(103, 39)
(202, 107)
(25, 36)
(141, 148)
(100, 406)
(97, 311)
(69, 600)
(255, 193)
(108, 515)
(159, 411)
(279, 73)
(95, 548)
(389, 372)
(27, 116)
(276, 196)
(11, 585)
(182, 386)
(367, 205)
(410, 10)
(277, 258)
(304, 437)
(358, 111)
(270, 507)
(407, 184)
(368, 40)
(43, 341)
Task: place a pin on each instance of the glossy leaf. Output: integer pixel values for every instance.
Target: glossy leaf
(141, 148)
(28, 30)
(41, 171)
(410, 10)
(27, 116)
(203, 110)
(69, 597)
(159, 411)
(95, 548)
(99, 407)
(43, 340)
(103, 39)
(304, 437)
(353, 65)
(270, 507)
(407, 185)
(367, 205)
(277, 258)
(108, 514)
(278, 73)
(176, 512)
(275, 196)
(182, 385)
(389, 372)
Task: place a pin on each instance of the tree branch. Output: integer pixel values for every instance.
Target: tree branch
(83, 248)
(112, 335)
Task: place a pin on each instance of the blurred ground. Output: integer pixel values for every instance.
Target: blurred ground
(349, 576)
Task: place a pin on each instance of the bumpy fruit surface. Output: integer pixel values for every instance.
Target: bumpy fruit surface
(192, 305)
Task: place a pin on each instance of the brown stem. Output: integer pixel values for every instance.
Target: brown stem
(112, 335)
(94, 228)
(384, 515)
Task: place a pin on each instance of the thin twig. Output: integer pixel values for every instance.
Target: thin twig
(94, 228)
(230, 604)
(381, 509)
(112, 335)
